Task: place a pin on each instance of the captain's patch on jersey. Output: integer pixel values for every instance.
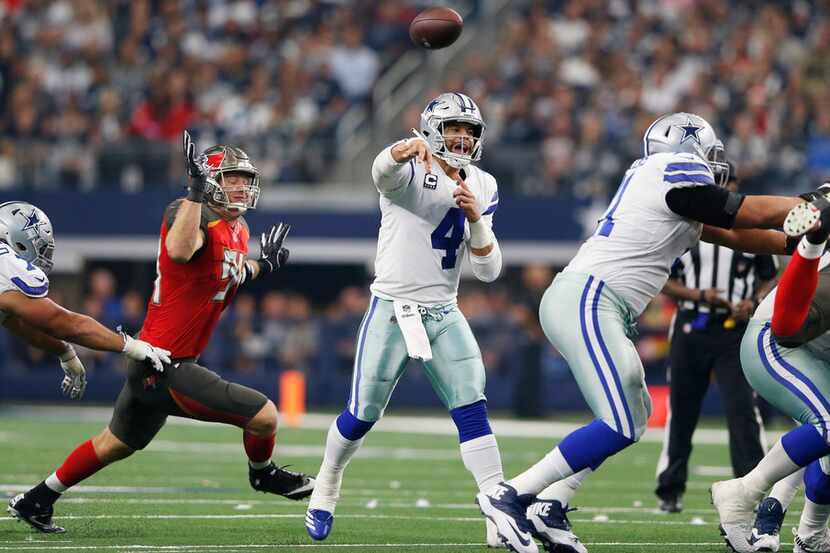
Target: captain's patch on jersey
(430, 181)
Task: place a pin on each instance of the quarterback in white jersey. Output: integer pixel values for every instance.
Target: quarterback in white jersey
(436, 209)
(666, 202)
(26, 248)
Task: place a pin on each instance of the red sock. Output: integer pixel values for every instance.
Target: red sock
(258, 448)
(795, 293)
(81, 464)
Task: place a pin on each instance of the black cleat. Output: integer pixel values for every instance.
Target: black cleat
(33, 514)
(671, 504)
(277, 480)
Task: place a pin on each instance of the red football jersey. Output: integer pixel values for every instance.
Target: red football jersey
(189, 297)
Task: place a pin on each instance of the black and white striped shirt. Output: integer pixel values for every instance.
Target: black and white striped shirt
(711, 266)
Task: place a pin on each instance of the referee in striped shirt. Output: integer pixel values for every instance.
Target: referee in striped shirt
(717, 290)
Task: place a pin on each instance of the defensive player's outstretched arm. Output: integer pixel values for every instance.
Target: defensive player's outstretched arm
(185, 237)
(49, 317)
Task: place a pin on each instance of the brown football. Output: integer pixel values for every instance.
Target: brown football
(436, 28)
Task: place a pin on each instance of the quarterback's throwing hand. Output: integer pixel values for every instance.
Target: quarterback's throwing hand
(197, 184)
(74, 380)
(139, 350)
(273, 255)
(465, 199)
(417, 148)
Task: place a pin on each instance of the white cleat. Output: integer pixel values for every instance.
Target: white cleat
(800, 219)
(502, 507)
(812, 543)
(735, 511)
(766, 543)
(493, 539)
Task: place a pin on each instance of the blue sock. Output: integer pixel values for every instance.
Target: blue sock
(816, 484)
(351, 427)
(471, 421)
(804, 445)
(592, 444)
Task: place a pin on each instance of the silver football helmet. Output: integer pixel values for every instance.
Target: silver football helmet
(688, 133)
(453, 107)
(28, 231)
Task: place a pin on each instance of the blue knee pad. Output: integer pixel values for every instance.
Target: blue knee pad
(816, 484)
(592, 444)
(471, 421)
(351, 427)
(804, 445)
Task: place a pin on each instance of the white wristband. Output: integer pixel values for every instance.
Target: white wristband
(480, 234)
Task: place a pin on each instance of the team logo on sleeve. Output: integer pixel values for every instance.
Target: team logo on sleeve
(430, 181)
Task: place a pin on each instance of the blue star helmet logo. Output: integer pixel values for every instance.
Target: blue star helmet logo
(690, 131)
(432, 104)
(32, 220)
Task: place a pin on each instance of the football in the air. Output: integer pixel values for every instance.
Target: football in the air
(436, 28)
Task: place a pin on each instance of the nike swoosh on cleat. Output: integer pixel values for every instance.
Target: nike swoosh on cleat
(518, 534)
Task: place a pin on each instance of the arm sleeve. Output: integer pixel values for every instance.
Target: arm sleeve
(390, 177)
(487, 268)
(708, 204)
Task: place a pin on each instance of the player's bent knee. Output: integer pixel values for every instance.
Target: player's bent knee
(264, 423)
(351, 427)
(108, 448)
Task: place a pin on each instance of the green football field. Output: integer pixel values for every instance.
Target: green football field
(405, 492)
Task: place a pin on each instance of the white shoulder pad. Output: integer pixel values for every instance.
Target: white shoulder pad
(20, 275)
(682, 169)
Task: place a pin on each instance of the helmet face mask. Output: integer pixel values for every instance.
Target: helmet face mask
(448, 109)
(687, 133)
(228, 161)
(28, 231)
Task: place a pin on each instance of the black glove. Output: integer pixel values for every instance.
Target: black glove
(273, 255)
(196, 171)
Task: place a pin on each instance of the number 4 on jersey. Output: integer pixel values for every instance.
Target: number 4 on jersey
(448, 235)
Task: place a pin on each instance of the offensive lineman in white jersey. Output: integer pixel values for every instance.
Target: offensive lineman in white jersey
(668, 200)
(435, 211)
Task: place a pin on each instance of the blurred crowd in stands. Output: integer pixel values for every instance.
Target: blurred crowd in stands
(96, 93)
(569, 87)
